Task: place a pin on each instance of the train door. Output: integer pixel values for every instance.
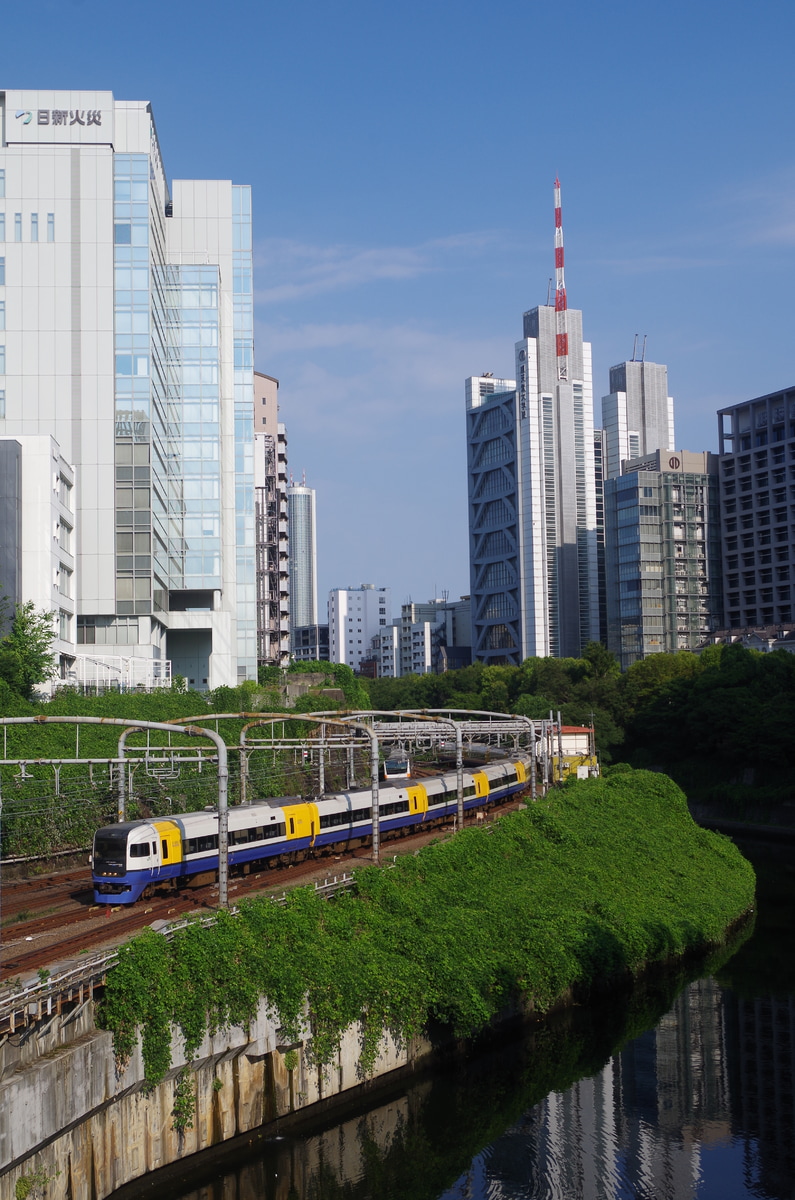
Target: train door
(169, 847)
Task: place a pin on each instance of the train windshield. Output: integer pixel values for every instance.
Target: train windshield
(396, 767)
(109, 850)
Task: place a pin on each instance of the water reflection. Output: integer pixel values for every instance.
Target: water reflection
(679, 1090)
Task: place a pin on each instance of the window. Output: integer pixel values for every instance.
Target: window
(2, 404)
(64, 536)
(2, 227)
(2, 314)
(34, 227)
(17, 227)
(141, 851)
(63, 626)
(50, 227)
(65, 581)
(65, 492)
(2, 360)
(2, 271)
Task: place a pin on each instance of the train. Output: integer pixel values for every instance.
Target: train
(132, 859)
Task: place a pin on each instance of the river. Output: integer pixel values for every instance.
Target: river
(679, 1089)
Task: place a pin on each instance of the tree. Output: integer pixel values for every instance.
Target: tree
(26, 658)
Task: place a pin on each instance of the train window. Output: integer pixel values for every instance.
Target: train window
(469, 791)
(164, 844)
(361, 814)
(200, 845)
(330, 820)
(292, 825)
(440, 798)
(389, 810)
(141, 851)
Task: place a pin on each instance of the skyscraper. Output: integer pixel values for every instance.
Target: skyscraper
(128, 338)
(757, 464)
(637, 415)
(303, 555)
(532, 495)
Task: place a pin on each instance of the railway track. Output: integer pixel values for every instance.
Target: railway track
(78, 925)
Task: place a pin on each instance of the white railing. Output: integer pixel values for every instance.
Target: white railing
(116, 672)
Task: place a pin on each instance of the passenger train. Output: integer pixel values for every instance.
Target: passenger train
(137, 857)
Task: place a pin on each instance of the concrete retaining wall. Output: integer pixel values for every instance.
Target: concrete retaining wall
(67, 1115)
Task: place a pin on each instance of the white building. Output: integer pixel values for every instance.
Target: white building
(532, 501)
(429, 637)
(355, 616)
(637, 415)
(37, 534)
(127, 336)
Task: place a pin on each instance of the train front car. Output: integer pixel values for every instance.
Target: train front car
(124, 861)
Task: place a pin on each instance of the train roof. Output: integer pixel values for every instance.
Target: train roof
(122, 827)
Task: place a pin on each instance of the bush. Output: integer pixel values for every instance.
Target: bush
(595, 881)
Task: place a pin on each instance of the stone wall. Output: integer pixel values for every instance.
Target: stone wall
(69, 1116)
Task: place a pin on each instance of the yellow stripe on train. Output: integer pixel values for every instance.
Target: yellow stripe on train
(418, 798)
(481, 784)
(301, 820)
(170, 837)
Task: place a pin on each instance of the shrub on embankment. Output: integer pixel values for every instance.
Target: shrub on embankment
(597, 880)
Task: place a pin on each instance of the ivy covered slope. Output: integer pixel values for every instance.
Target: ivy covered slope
(594, 881)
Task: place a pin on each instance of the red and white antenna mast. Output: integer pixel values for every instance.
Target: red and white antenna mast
(561, 318)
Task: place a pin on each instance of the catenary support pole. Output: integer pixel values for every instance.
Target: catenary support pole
(375, 791)
(459, 772)
(321, 766)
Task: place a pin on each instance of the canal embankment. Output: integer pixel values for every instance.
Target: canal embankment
(219, 1030)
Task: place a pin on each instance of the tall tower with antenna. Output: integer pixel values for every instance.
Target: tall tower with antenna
(561, 307)
(534, 575)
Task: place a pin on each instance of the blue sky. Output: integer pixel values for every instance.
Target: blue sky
(402, 158)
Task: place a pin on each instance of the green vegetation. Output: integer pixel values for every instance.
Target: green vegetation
(25, 651)
(43, 813)
(592, 883)
(719, 723)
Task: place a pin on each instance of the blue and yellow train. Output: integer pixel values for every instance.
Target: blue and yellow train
(135, 857)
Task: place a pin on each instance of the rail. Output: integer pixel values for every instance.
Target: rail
(22, 1004)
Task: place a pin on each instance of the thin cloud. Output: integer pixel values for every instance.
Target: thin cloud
(300, 270)
(645, 264)
(763, 213)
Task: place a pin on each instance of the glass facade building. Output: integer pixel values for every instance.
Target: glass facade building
(757, 485)
(139, 297)
(302, 540)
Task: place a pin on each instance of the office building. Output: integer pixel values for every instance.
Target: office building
(532, 491)
(355, 616)
(532, 502)
(303, 555)
(270, 515)
(757, 473)
(127, 309)
(662, 554)
(637, 415)
(310, 643)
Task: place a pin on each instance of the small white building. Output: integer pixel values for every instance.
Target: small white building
(355, 616)
(38, 535)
